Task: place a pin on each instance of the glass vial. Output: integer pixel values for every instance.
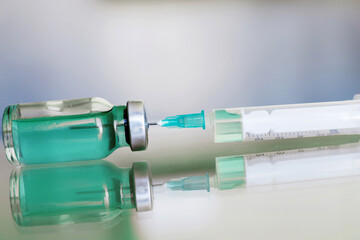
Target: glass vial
(72, 130)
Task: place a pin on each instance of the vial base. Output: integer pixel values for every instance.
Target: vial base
(10, 113)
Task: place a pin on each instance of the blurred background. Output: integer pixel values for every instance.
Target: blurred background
(182, 57)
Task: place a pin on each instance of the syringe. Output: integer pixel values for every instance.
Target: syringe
(275, 122)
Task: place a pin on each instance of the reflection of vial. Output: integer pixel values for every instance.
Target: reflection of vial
(96, 192)
(71, 130)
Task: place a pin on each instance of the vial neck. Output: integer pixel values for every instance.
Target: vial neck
(120, 125)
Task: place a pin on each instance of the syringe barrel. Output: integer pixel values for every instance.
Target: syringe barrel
(286, 167)
(286, 121)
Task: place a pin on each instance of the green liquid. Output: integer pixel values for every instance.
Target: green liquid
(228, 131)
(83, 193)
(68, 138)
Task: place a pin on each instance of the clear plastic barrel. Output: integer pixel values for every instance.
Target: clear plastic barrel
(286, 121)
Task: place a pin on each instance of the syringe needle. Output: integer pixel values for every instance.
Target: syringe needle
(193, 120)
(152, 123)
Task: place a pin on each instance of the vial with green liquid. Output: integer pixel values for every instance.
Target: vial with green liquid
(71, 130)
(78, 193)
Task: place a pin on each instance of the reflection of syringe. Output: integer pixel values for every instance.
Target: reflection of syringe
(185, 184)
(286, 167)
(274, 168)
(275, 122)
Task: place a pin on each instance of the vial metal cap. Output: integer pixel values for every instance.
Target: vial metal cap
(143, 190)
(138, 126)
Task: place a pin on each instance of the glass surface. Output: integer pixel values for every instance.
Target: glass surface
(94, 192)
(180, 212)
(60, 131)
